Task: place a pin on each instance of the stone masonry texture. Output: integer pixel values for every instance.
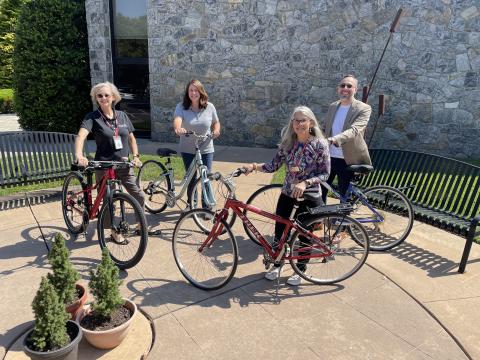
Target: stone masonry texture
(258, 59)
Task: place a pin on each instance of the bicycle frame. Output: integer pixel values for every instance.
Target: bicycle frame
(353, 190)
(103, 188)
(279, 254)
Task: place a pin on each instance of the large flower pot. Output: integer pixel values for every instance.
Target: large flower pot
(107, 339)
(73, 308)
(69, 352)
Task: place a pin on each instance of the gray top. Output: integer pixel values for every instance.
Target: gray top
(201, 123)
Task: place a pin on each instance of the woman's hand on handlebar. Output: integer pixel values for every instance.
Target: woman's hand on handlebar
(180, 131)
(81, 160)
(137, 162)
(249, 168)
(298, 189)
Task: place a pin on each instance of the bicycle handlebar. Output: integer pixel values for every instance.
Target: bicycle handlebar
(100, 164)
(205, 136)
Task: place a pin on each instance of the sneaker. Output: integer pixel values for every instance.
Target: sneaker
(206, 216)
(273, 274)
(154, 232)
(294, 280)
(117, 237)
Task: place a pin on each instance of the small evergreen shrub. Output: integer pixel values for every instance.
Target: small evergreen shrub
(105, 286)
(51, 66)
(64, 275)
(50, 331)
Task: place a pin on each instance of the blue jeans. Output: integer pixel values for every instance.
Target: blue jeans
(207, 160)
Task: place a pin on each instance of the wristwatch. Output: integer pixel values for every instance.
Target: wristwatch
(136, 155)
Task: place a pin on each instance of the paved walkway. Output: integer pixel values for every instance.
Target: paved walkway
(9, 122)
(409, 303)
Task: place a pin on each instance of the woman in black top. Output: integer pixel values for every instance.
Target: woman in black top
(113, 133)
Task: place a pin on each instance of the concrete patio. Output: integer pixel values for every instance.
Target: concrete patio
(408, 303)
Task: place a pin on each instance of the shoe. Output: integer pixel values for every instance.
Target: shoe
(187, 208)
(294, 280)
(117, 237)
(273, 274)
(206, 216)
(154, 232)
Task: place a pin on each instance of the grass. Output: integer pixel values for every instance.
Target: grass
(177, 164)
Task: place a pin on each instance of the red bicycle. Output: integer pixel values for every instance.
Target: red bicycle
(331, 244)
(121, 214)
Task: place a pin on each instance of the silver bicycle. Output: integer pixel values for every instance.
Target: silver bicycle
(161, 190)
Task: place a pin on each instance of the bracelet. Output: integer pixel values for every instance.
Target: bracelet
(136, 156)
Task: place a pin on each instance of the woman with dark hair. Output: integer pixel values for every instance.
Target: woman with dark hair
(304, 151)
(196, 114)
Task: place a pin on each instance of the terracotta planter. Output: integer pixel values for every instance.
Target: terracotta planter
(73, 308)
(69, 352)
(107, 339)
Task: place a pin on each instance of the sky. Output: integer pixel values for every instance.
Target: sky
(131, 8)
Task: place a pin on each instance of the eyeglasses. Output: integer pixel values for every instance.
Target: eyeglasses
(300, 121)
(101, 96)
(346, 86)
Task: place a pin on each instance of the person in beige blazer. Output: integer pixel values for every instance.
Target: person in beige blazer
(345, 125)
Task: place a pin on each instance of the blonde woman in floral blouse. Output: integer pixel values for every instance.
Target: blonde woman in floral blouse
(304, 151)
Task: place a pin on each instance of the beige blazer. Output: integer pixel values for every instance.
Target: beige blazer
(354, 147)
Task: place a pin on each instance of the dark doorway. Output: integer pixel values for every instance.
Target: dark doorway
(130, 61)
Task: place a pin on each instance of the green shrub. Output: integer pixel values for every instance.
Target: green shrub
(51, 68)
(104, 284)
(50, 331)
(64, 275)
(6, 101)
(9, 10)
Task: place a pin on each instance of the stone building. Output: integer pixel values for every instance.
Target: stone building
(260, 58)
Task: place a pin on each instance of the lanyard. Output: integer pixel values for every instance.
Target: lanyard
(112, 125)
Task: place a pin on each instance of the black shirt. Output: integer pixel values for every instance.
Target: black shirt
(104, 132)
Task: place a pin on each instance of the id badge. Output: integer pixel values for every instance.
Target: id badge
(118, 142)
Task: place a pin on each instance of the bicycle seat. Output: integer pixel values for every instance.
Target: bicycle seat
(360, 169)
(311, 194)
(165, 152)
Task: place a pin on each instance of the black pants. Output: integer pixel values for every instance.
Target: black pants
(284, 209)
(338, 168)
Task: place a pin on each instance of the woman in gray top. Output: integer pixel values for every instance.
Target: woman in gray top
(196, 114)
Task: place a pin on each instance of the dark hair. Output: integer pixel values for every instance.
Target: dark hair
(203, 95)
(350, 76)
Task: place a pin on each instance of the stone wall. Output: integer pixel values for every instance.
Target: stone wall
(260, 58)
(99, 40)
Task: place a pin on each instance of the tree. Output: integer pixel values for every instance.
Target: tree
(51, 67)
(50, 332)
(105, 286)
(64, 275)
(9, 10)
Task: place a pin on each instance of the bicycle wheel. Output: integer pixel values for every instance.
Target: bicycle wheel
(215, 265)
(153, 179)
(126, 235)
(266, 199)
(219, 194)
(347, 256)
(387, 217)
(74, 202)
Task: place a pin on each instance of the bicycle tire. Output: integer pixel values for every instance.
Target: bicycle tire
(218, 196)
(396, 211)
(266, 199)
(155, 182)
(348, 253)
(73, 203)
(132, 226)
(215, 266)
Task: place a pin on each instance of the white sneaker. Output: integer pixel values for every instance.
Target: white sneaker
(294, 280)
(273, 274)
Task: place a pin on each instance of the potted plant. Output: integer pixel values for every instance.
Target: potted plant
(106, 323)
(53, 336)
(64, 277)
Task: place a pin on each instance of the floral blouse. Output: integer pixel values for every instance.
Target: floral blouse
(309, 161)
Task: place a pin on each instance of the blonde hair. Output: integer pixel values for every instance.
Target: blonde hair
(113, 89)
(288, 134)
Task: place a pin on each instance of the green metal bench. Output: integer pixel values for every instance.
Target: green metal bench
(444, 192)
(28, 157)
